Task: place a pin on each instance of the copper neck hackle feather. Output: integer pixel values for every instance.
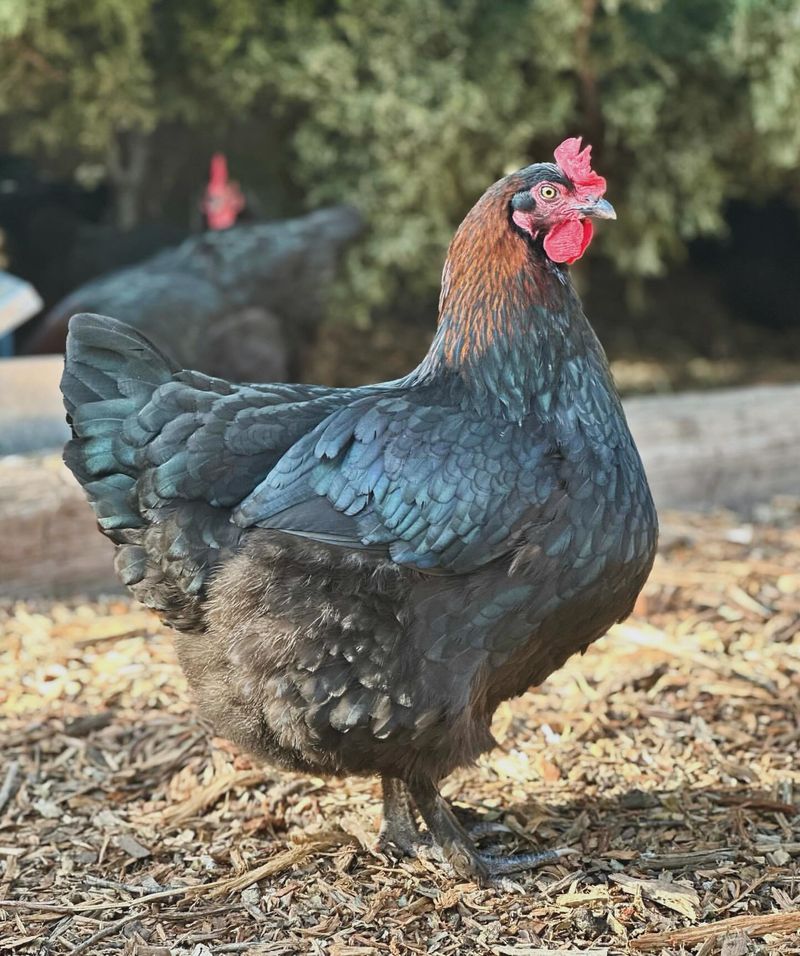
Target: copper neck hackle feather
(504, 311)
(484, 265)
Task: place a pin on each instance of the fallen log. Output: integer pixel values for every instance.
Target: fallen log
(50, 542)
(702, 450)
(728, 448)
(31, 410)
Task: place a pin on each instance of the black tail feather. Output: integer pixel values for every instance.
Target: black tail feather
(112, 376)
(110, 372)
(108, 359)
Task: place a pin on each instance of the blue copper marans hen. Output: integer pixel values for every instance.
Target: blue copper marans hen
(360, 576)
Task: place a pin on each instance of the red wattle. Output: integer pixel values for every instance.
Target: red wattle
(567, 241)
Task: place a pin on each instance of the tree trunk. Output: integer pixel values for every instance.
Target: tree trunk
(128, 155)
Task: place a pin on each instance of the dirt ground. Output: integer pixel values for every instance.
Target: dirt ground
(668, 757)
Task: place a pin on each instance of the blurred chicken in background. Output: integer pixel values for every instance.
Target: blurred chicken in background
(240, 302)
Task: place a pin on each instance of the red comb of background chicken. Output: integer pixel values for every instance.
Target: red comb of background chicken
(223, 200)
(219, 169)
(576, 164)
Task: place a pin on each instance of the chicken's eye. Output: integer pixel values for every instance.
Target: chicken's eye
(548, 192)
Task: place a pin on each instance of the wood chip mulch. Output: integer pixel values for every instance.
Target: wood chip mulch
(668, 757)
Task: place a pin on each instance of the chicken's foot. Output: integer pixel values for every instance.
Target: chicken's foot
(399, 828)
(460, 851)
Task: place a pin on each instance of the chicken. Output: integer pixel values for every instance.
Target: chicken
(360, 576)
(241, 302)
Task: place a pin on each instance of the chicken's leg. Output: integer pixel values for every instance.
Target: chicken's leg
(399, 827)
(460, 851)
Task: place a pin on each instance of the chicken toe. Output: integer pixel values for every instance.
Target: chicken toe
(484, 828)
(517, 862)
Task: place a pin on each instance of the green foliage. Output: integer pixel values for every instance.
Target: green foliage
(72, 72)
(409, 108)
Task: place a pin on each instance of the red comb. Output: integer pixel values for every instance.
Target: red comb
(576, 164)
(219, 169)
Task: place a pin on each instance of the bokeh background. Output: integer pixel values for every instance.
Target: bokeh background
(110, 110)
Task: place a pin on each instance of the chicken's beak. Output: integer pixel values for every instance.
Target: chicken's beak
(599, 209)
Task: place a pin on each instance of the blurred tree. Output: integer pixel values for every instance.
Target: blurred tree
(412, 106)
(91, 81)
(409, 108)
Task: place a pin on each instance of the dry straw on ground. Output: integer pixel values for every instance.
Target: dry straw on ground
(667, 757)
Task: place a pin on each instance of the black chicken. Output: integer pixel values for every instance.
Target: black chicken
(240, 303)
(360, 576)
